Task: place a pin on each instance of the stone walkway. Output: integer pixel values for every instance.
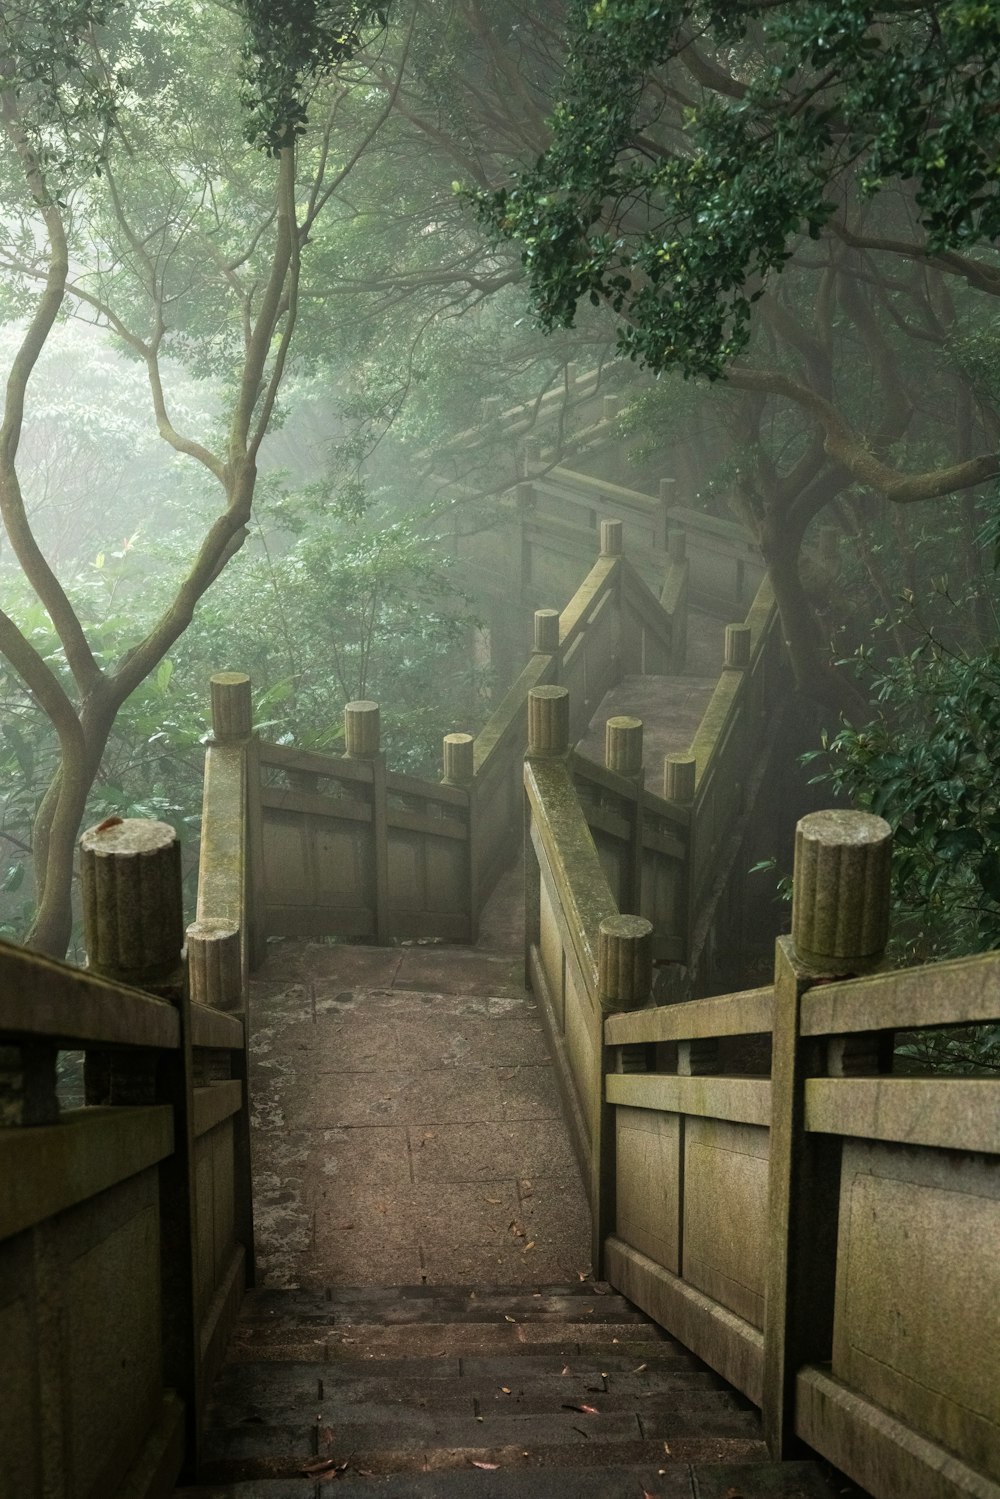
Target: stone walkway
(406, 1124)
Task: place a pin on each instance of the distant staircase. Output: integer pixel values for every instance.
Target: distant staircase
(561, 1392)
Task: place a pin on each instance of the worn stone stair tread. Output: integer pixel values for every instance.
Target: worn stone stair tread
(440, 1339)
(762, 1480)
(451, 1305)
(275, 1387)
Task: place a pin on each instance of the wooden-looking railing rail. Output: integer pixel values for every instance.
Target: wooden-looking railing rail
(126, 1232)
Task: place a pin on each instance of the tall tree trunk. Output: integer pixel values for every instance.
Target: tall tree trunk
(56, 829)
(815, 675)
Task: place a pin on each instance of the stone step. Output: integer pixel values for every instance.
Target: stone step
(430, 1392)
(395, 1305)
(681, 1480)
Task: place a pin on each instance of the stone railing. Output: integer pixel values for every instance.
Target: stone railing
(819, 1231)
(309, 845)
(126, 1233)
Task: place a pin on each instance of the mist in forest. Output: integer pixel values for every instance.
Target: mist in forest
(296, 381)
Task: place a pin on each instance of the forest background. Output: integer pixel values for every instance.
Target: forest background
(258, 262)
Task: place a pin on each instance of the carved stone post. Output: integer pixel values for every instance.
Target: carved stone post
(679, 778)
(548, 721)
(362, 729)
(612, 408)
(840, 908)
(457, 759)
(130, 874)
(215, 974)
(624, 962)
(839, 928)
(738, 641)
(623, 746)
(623, 755)
(232, 707)
(133, 928)
(532, 455)
(611, 538)
(546, 632)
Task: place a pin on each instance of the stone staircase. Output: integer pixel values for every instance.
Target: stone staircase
(443, 1392)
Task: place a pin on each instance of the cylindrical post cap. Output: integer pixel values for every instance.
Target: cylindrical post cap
(738, 642)
(546, 631)
(611, 538)
(624, 962)
(548, 721)
(623, 745)
(679, 777)
(840, 903)
(361, 729)
(215, 970)
(130, 874)
(232, 708)
(457, 758)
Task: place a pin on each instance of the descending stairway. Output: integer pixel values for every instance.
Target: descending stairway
(438, 1392)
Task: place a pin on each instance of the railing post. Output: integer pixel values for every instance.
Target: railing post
(130, 874)
(362, 739)
(232, 727)
(458, 769)
(623, 755)
(679, 778)
(611, 538)
(839, 928)
(737, 649)
(667, 491)
(546, 641)
(548, 721)
(624, 982)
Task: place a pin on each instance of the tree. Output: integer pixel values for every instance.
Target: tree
(133, 202)
(800, 202)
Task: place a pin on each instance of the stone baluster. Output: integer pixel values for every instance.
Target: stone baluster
(214, 960)
(548, 721)
(232, 706)
(546, 632)
(612, 408)
(130, 878)
(624, 962)
(840, 925)
(457, 752)
(737, 649)
(679, 778)
(611, 538)
(28, 1085)
(840, 906)
(623, 746)
(362, 730)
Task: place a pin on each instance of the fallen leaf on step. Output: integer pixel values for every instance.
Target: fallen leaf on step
(647, 1495)
(493, 1201)
(666, 1448)
(640, 1368)
(517, 1228)
(477, 1464)
(509, 1319)
(530, 1245)
(505, 1389)
(586, 1410)
(566, 1369)
(581, 1275)
(321, 1465)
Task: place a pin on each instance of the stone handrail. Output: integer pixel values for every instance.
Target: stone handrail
(302, 844)
(126, 1227)
(820, 1231)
